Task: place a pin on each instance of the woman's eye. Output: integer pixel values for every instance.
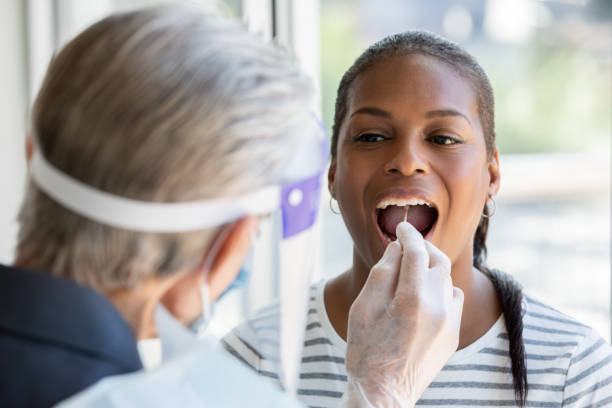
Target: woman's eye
(369, 138)
(444, 140)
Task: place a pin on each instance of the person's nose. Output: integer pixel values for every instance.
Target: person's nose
(408, 159)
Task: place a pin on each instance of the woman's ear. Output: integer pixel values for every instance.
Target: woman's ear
(29, 148)
(331, 175)
(494, 174)
(184, 299)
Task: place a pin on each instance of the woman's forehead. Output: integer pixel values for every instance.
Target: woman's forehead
(419, 82)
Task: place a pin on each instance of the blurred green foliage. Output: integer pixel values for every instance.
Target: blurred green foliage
(340, 45)
(559, 100)
(548, 98)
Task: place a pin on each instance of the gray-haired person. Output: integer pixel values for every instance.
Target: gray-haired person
(147, 124)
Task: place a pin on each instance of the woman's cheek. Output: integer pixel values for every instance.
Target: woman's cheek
(467, 185)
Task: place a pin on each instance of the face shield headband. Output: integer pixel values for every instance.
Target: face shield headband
(129, 214)
(294, 196)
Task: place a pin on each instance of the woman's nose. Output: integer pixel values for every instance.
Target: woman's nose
(408, 159)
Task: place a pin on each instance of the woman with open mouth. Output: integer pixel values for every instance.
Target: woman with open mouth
(413, 139)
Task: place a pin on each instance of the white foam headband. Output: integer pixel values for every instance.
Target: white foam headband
(145, 216)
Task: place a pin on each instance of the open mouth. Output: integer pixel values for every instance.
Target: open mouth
(421, 214)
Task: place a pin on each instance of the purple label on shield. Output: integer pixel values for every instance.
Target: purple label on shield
(300, 205)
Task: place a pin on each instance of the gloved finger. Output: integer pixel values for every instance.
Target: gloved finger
(415, 259)
(382, 280)
(440, 273)
(457, 305)
(437, 258)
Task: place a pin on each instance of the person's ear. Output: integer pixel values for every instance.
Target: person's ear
(184, 299)
(494, 174)
(29, 148)
(331, 175)
(231, 255)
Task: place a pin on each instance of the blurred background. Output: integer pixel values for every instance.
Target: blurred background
(550, 63)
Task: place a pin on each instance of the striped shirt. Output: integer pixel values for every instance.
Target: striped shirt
(568, 364)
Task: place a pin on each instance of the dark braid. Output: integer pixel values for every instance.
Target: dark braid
(422, 42)
(511, 298)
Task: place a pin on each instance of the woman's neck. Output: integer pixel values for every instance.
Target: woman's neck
(481, 307)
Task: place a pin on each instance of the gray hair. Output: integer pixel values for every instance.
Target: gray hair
(167, 105)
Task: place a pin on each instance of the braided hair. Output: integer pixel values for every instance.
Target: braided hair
(426, 43)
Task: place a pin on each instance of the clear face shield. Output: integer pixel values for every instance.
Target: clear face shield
(284, 257)
(282, 261)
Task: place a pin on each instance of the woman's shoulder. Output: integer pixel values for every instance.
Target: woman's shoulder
(543, 324)
(245, 340)
(586, 358)
(249, 340)
(546, 321)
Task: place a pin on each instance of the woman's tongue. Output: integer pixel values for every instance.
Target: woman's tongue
(418, 216)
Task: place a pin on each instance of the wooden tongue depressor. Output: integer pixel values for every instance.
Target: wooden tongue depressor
(405, 213)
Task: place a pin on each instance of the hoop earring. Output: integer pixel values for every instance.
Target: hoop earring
(332, 208)
(494, 208)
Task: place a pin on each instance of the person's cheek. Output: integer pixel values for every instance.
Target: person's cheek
(350, 187)
(355, 179)
(465, 182)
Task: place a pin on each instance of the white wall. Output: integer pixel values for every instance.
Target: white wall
(13, 108)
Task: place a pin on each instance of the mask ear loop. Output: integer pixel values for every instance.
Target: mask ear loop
(207, 308)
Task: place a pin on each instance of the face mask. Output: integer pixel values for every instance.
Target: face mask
(200, 324)
(241, 281)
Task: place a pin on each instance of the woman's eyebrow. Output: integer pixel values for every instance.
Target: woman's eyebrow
(446, 112)
(372, 111)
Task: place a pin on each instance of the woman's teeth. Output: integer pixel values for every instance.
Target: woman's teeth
(400, 202)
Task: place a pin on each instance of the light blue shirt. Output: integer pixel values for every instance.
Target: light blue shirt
(204, 376)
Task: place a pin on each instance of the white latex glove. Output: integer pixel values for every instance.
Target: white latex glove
(404, 325)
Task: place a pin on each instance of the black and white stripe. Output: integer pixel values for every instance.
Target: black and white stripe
(568, 365)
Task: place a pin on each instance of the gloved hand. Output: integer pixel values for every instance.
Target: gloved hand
(404, 325)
